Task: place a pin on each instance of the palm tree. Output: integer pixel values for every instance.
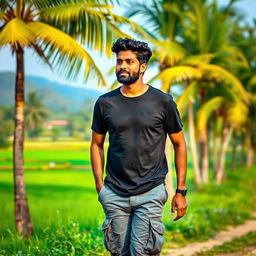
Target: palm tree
(161, 21)
(190, 37)
(51, 29)
(245, 38)
(35, 112)
(232, 112)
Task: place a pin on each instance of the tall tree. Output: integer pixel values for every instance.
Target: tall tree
(50, 28)
(190, 40)
(35, 113)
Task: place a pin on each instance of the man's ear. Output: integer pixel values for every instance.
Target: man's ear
(143, 67)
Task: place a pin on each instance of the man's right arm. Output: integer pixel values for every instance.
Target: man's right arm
(97, 158)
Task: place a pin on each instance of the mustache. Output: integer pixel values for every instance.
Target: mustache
(123, 71)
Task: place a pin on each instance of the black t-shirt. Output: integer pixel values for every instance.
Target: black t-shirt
(137, 129)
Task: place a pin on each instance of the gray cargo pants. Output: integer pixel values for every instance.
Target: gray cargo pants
(133, 224)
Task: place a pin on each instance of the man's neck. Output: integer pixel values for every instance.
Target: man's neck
(135, 89)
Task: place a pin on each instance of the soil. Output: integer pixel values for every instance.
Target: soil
(219, 239)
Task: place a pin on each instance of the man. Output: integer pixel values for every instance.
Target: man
(138, 118)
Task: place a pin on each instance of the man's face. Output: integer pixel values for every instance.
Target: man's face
(128, 68)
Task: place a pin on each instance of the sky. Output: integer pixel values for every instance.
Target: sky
(34, 66)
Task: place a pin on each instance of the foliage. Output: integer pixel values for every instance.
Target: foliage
(52, 241)
(6, 125)
(35, 114)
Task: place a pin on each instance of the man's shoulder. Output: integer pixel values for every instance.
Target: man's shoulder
(111, 94)
(161, 95)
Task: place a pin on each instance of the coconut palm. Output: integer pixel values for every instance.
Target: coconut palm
(53, 29)
(190, 41)
(35, 112)
(245, 38)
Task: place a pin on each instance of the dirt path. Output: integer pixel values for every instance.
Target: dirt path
(220, 238)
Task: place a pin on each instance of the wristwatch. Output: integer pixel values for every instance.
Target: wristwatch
(182, 191)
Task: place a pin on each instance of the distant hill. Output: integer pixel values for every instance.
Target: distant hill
(54, 95)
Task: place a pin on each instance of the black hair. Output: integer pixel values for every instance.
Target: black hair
(141, 49)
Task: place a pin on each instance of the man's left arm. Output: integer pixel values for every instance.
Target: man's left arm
(179, 201)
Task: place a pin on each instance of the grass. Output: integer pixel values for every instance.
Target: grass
(239, 246)
(67, 216)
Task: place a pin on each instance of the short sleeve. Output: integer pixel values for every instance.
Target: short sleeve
(173, 122)
(98, 123)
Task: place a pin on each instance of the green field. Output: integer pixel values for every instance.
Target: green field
(63, 203)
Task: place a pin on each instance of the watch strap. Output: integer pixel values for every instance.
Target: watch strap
(182, 191)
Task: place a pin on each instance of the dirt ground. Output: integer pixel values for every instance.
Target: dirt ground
(219, 239)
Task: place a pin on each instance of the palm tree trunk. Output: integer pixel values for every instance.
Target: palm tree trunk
(234, 151)
(250, 152)
(193, 149)
(227, 132)
(205, 157)
(22, 216)
(215, 152)
(168, 179)
(242, 160)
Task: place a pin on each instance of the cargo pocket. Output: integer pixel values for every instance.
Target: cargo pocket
(99, 195)
(109, 237)
(156, 237)
(166, 194)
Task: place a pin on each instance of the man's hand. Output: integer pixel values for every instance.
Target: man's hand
(99, 187)
(179, 204)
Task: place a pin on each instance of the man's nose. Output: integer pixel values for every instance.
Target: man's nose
(123, 65)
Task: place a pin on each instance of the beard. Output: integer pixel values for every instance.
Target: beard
(129, 78)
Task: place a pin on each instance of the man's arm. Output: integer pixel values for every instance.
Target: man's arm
(179, 201)
(97, 158)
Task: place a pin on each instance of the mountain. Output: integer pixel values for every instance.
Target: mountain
(54, 95)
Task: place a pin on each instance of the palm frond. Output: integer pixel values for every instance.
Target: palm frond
(219, 74)
(1, 15)
(201, 23)
(111, 70)
(232, 55)
(206, 110)
(169, 52)
(253, 98)
(177, 74)
(252, 82)
(73, 11)
(197, 60)
(189, 94)
(93, 25)
(237, 113)
(114, 85)
(136, 28)
(72, 52)
(41, 54)
(16, 33)
(151, 16)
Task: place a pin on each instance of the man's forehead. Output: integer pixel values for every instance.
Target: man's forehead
(128, 54)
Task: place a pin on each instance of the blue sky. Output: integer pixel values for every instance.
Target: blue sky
(33, 66)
